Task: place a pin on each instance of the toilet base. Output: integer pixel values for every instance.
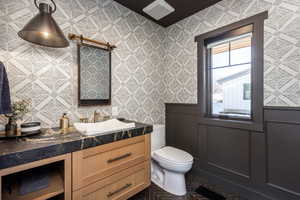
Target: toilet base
(169, 181)
(168, 167)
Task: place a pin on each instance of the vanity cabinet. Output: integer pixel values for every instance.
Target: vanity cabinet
(116, 170)
(112, 171)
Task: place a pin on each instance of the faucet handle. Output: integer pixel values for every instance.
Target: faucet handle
(97, 115)
(84, 120)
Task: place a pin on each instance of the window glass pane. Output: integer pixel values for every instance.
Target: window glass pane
(247, 91)
(220, 55)
(231, 90)
(240, 51)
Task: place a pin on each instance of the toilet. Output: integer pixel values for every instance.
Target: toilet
(168, 164)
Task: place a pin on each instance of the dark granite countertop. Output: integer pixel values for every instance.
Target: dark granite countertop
(52, 143)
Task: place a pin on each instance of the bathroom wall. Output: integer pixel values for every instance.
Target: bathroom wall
(282, 49)
(258, 165)
(151, 65)
(49, 76)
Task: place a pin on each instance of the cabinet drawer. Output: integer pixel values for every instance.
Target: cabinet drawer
(96, 163)
(119, 186)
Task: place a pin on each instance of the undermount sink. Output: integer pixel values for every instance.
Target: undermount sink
(102, 127)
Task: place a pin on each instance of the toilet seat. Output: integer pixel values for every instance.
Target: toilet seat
(173, 156)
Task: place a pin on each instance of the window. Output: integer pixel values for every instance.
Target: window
(230, 74)
(229, 67)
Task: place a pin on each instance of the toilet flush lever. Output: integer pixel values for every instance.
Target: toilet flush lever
(119, 158)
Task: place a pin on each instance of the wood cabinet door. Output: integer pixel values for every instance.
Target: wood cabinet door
(97, 163)
(119, 186)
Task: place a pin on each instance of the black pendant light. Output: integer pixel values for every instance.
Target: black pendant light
(43, 30)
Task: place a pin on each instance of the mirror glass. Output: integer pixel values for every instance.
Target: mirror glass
(94, 75)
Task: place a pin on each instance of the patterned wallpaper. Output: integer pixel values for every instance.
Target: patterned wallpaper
(49, 76)
(151, 65)
(282, 49)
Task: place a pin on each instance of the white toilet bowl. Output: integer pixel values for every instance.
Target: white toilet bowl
(169, 166)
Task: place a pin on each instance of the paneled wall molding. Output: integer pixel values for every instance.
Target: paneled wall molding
(233, 187)
(258, 165)
(228, 170)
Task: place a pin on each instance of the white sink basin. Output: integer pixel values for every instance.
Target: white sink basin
(102, 127)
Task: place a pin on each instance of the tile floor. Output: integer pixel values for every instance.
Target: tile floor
(192, 181)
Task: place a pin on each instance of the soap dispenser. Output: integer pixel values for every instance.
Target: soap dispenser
(64, 122)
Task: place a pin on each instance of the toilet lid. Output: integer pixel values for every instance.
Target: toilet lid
(173, 155)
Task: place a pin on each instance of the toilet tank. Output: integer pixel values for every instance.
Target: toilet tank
(158, 137)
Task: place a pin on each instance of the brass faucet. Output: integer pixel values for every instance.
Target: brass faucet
(84, 120)
(97, 116)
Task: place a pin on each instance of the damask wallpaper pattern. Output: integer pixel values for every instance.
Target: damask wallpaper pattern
(49, 76)
(151, 65)
(281, 52)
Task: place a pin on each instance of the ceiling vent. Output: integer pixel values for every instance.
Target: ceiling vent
(158, 9)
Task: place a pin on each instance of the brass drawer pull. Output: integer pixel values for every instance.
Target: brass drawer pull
(119, 158)
(110, 194)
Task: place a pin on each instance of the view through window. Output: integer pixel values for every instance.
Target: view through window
(230, 76)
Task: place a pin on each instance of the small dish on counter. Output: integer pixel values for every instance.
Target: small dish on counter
(27, 129)
(31, 127)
